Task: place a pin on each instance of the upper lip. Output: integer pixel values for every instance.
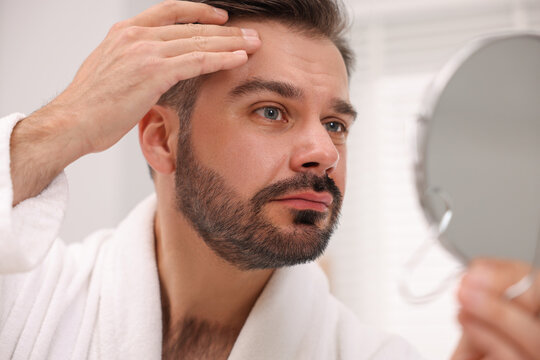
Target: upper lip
(324, 198)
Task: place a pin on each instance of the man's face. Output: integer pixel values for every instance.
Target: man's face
(261, 172)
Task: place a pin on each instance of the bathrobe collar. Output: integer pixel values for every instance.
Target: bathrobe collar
(289, 314)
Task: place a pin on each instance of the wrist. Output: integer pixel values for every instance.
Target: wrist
(64, 124)
(52, 131)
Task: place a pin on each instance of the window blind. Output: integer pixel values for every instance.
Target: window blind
(400, 47)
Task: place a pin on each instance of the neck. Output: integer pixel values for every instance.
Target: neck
(195, 282)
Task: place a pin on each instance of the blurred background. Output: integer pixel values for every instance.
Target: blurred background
(399, 45)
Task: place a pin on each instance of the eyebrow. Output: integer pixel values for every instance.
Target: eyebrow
(345, 108)
(289, 91)
(283, 89)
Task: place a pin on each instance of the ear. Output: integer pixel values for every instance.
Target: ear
(158, 133)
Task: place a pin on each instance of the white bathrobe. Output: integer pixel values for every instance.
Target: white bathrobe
(100, 299)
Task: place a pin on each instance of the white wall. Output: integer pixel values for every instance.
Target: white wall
(400, 47)
(43, 43)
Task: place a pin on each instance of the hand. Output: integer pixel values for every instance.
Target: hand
(493, 326)
(140, 59)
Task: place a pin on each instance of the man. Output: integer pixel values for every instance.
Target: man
(247, 153)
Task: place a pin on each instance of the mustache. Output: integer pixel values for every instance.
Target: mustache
(304, 181)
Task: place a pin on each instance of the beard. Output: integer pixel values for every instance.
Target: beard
(238, 231)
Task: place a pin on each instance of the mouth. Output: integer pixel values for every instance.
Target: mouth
(307, 201)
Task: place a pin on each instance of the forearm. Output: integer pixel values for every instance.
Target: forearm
(119, 83)
(42, 146)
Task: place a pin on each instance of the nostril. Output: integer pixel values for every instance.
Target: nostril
(310, 164)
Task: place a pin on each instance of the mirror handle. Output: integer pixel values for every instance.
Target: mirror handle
(410, 266)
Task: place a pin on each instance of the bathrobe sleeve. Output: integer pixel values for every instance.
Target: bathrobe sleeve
(28, 230)
(49, 296)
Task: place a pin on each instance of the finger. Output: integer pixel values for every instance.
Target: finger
(171, 12)
(185, 31)
(209, 44)
(506, 317)
(497, 276)
(490, 342)
(199, 63)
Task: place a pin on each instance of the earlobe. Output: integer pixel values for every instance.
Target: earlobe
(157, 131)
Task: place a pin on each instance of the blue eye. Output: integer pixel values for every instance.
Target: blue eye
(271, 113)
(335, 127)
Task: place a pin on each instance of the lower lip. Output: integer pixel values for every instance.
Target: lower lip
(301, 204)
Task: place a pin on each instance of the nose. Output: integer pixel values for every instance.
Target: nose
(314, 151)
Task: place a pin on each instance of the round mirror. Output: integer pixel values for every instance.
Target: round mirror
(479, 150)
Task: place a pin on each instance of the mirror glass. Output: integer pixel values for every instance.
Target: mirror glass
(479, 149)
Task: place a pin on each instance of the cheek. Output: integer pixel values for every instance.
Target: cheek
(252, 162)
(247, 160)
(340, 173)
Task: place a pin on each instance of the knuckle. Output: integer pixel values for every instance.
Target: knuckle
(201, 42)
(193, 29)
(132, 33)
(118, 26)
(204, 30)
(198, 58)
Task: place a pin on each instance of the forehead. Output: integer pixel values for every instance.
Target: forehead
(313, 64)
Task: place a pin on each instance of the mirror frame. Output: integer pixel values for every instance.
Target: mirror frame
(429, 104)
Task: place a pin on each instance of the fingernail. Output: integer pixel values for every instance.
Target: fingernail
(250, 33)
(253, 41)
(221, 12)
